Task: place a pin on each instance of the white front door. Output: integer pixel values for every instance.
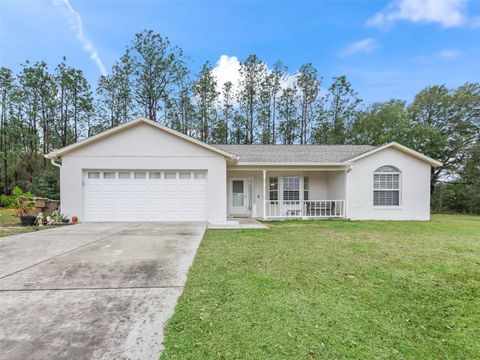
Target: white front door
(239, 197)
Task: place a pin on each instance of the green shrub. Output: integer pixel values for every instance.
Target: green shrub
(20, 201)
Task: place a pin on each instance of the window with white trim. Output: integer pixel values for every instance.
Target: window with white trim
(170, 175)
(291, 188)
(185, 175)
(109, 175)
(139, 175)
(155, 175)
(94, 175)
(305, 188)
(386, 186)
(273, 188)
(199, 175)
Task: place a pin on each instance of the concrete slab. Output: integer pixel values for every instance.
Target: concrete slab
(20, 251)
(138, 256)
(238, 224)
(96, 291)
(85, 324)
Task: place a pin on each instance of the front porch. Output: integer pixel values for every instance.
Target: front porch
(276, 209)
(273, 193)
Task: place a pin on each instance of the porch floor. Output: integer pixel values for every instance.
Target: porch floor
(238, 224)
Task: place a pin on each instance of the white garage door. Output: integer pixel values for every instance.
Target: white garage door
(155, 195)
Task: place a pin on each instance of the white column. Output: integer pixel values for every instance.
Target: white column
(345, 202)
(264, 193)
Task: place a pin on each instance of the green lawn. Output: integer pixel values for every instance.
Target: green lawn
(10, 224)
(333, 290)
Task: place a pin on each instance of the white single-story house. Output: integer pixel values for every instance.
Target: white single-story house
(143, 171)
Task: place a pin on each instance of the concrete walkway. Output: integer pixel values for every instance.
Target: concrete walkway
(92, 291)
(239, 224)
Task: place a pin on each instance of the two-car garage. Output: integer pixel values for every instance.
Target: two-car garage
(145, 195)
(142, 171)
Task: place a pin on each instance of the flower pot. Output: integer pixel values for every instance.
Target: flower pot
(27, 220)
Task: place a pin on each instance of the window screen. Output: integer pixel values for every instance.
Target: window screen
(291, 188)
(386, 186)
(273, 188)
(386, 198)
(237, 186)
(305, 188)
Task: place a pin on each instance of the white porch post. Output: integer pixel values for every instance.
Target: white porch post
(345, 202)
(264, 193)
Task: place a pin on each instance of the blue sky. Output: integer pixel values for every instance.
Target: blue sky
(387, 49)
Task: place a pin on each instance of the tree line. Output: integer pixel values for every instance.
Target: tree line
(45, 108)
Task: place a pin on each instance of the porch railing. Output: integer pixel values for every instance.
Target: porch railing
(280, 209)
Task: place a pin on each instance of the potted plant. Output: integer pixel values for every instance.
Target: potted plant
(60, 218)
(22, 203)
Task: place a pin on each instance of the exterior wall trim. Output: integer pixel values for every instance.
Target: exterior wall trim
(57, 154)
(434, 163)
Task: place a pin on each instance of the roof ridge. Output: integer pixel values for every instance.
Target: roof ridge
(373, 146)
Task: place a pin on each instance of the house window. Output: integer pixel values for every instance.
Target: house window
(199, 175)
(109, 175)
(273, 188)
(123, 175)
(291, 188)
(305, 188)
(185, 175)
(170, 175)
(155, 175)
(386, 186)
(139, 175)
(93, 175)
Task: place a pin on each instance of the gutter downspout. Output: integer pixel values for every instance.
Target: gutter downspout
(54, 163)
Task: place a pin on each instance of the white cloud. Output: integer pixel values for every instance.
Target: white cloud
(367, 45)
(449, 54)
(443, 55)
(227, 68)
(76, 25)
(448, 13)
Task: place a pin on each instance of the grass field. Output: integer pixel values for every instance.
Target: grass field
(333, 290)
(10, 224)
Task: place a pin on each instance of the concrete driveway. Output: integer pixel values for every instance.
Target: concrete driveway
(92, 291)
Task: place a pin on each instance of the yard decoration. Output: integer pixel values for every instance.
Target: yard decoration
(22, 203)
(39, 219)
(59, 219)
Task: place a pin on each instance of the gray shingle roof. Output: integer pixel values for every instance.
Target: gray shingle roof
(295, 153)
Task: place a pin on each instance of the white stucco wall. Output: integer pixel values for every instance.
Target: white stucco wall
(336, 185)
(414, 194)
(142, 147)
